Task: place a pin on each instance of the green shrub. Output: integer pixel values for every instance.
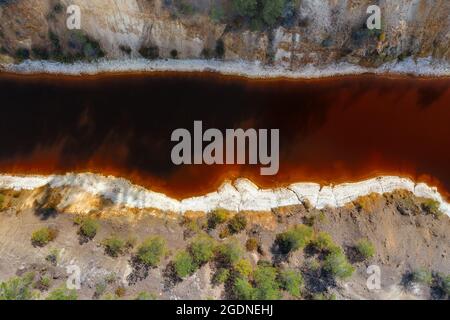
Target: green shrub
(53, 256)
(202, 249)
(43, 236)
(365, 248)
(246, 8)
(114, 246)
(217, 13)
(88, 228)
(422, 276)
(184, 264)
(18, 288)
(230, 252)
(243, 290)
(266, 284)
(243, 267)
(237, 223)
(323, 242)
(222, 275)
(336, 263)
(62, 293)
(295, 238)
(151, 251)
(432, 207)
(292, 282)
(272, 11)
(146, 296)
(217, 217)
(43, 283)
(446, 284)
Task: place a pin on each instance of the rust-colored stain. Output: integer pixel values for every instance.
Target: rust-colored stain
(331, 130)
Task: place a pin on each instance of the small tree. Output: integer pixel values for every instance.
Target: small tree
(295, 238)
(184, 264)
(151, 251)
(292, 282)
(365, 249)
(43, 236)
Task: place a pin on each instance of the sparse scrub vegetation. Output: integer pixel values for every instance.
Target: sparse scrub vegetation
(114, 246)
(221, 276)
(295, 238)
(422, 276)
(323, 242)
(252, 244)
(202, 249)
(62, 293)
(43, 236)
(217, 217)
(432, 207)
(88, 228)
(365, 249)
(337, 265)
(184, 264)
(143, 295)
(151, 251)
(18, 288)
(237, 223)
(291, 281)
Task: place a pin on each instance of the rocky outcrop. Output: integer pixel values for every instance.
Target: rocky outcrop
(319, 32)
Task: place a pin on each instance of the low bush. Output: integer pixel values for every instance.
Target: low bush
(202, 249)
(323, 242)
(114, 246)
(337, 265)
(295, 238)
(43, 236)
(422, 276)
(217, 217)
(243, 290)
(151, 251)
(62, 293)
(266, 284)
(446, 284)
(365, 249)
(222, 275)
(229, 253)
(432, 207)
(184, 264)
(88, 228)
(252, 244)
(243, 267)
(18, 288)
(237, 223)
(143, 295)
(292, 282)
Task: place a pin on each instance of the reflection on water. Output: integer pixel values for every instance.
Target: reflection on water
(331, 130)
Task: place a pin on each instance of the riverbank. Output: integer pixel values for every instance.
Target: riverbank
(422, 67)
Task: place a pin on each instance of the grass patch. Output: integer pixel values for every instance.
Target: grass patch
(43, 236)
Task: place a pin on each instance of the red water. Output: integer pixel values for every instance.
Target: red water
(332, 130)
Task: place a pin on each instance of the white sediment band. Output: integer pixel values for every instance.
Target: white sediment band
(240, 195)
(419, 67)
